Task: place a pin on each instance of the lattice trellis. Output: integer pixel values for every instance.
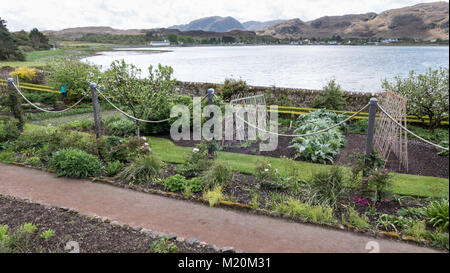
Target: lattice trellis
(388, 136)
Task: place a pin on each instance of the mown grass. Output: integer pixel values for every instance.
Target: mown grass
(404, 184)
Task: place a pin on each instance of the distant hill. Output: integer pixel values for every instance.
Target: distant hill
(425, 21)
(215, 24)
(257, 26)
(78, 32)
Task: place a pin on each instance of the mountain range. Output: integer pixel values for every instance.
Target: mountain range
(425, 21)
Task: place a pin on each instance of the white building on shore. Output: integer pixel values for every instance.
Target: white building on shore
(160, 43)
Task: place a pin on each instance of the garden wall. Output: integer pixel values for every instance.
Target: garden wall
(281, 96)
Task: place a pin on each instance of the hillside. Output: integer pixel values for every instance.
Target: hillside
(257, 26)
(215, 24)
(426, 21)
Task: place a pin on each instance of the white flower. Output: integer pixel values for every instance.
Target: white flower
(144, 138)
(266, 170)
(146, 144)
(195, 150)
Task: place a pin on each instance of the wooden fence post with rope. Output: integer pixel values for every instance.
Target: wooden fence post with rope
(14, 104)
(96, 108)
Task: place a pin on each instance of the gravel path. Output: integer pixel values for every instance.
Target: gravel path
(244, 231)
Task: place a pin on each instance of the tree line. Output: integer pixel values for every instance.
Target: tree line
(14, 45)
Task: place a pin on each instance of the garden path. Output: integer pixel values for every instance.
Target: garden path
(244, 231)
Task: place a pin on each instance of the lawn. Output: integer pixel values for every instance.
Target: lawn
(404, 184)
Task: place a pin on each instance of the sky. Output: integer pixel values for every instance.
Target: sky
(144, 14)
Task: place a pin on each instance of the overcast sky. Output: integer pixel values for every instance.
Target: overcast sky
(60, 14)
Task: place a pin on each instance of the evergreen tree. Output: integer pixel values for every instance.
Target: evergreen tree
(9, 49)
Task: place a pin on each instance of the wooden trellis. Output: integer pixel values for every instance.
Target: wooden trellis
(388, 136)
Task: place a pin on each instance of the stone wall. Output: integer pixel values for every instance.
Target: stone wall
(281, 96)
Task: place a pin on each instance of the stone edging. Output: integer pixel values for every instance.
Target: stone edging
(227, 204)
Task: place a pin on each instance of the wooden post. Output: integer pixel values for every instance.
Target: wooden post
(96, 107)
(371, 129)
(15, 106)
(211, 92)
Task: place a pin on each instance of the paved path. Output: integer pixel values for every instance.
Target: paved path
(244, 231)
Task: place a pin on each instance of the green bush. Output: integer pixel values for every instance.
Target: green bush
(213, 196)
(316, 214)
(113, 168)
(195, 185)
(322, 147)
(355, 219)
(331, 98)
(196, 162)
(220, 174)
(268, 176)
(144, 169)
(121, 128)
(233, 87)
(175, 183)
(437, 214)
(33, 161)
(7, 157)
(327, 186)
(75, 74)
(8, 130)
(75, 163)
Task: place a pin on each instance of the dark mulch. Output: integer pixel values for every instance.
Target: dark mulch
(93, 235)
(423, 158)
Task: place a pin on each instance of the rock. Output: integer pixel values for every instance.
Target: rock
(180, 239)
(161, 235)
(203, 244)
(341, 227)
(146, 231)
(228, 249)
(115, 223)
(64, 208)
(137, 228)
(275, 214)
(193, 241)
(213, 247)
(171, 236)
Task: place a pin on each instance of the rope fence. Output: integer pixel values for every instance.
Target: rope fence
(42, 109)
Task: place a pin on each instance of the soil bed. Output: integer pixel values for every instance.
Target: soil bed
(93, 235)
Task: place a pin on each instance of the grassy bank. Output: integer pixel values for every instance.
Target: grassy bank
(66, 50)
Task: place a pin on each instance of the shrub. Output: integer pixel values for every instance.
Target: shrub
(322, 147)
(327, 186)
(267, 175)
(194, 185)
(197, 162)
(332, 97)
(114, 168)
(121, 128)
(220, 174)
(7, 157)
(8, 130)
(213, 196)
(175, 183)
(116, 149)
(416, 228)
(75, 74)
(33, 161)
(437, 214)
(25, 74)
(233, 87)
(427, 94)
(379, 182)
(75, 163)
(143, 170)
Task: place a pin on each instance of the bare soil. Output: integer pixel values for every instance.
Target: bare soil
(93, 235)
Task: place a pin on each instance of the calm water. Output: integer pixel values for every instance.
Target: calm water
(356, 68)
